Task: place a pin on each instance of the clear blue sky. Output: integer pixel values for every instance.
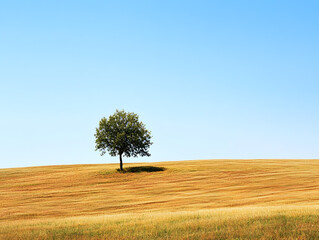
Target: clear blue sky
(210, 79)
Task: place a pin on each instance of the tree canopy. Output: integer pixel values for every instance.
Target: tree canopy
(124, 135)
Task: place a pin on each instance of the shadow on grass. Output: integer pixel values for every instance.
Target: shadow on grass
(141, 169)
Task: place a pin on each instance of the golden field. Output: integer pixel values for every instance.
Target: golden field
(204, 199)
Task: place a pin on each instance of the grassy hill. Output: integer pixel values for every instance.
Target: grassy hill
(206, 199)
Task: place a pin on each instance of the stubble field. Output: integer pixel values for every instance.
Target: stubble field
(205, 199)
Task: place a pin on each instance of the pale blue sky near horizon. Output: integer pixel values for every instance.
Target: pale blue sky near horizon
(210, 79)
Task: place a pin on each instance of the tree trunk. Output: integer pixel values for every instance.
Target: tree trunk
(121, 163)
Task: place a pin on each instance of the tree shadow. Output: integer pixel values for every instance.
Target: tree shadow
(141, 169)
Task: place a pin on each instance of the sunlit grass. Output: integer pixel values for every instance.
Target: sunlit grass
(288, 222)
(216, 199)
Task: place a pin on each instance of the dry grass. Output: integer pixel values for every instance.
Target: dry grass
(41, 200)
(289, 222)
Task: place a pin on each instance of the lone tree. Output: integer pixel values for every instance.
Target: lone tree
(124, 135)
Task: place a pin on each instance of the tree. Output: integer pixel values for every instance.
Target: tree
(124, 135)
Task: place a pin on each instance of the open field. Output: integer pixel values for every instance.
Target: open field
(226, 223)
(207, 199)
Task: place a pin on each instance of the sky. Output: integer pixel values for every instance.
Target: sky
(210, 79)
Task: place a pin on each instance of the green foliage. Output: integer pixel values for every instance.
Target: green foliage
(124, 135)
(142, 169)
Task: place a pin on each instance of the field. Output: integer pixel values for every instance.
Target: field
(206, 199)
